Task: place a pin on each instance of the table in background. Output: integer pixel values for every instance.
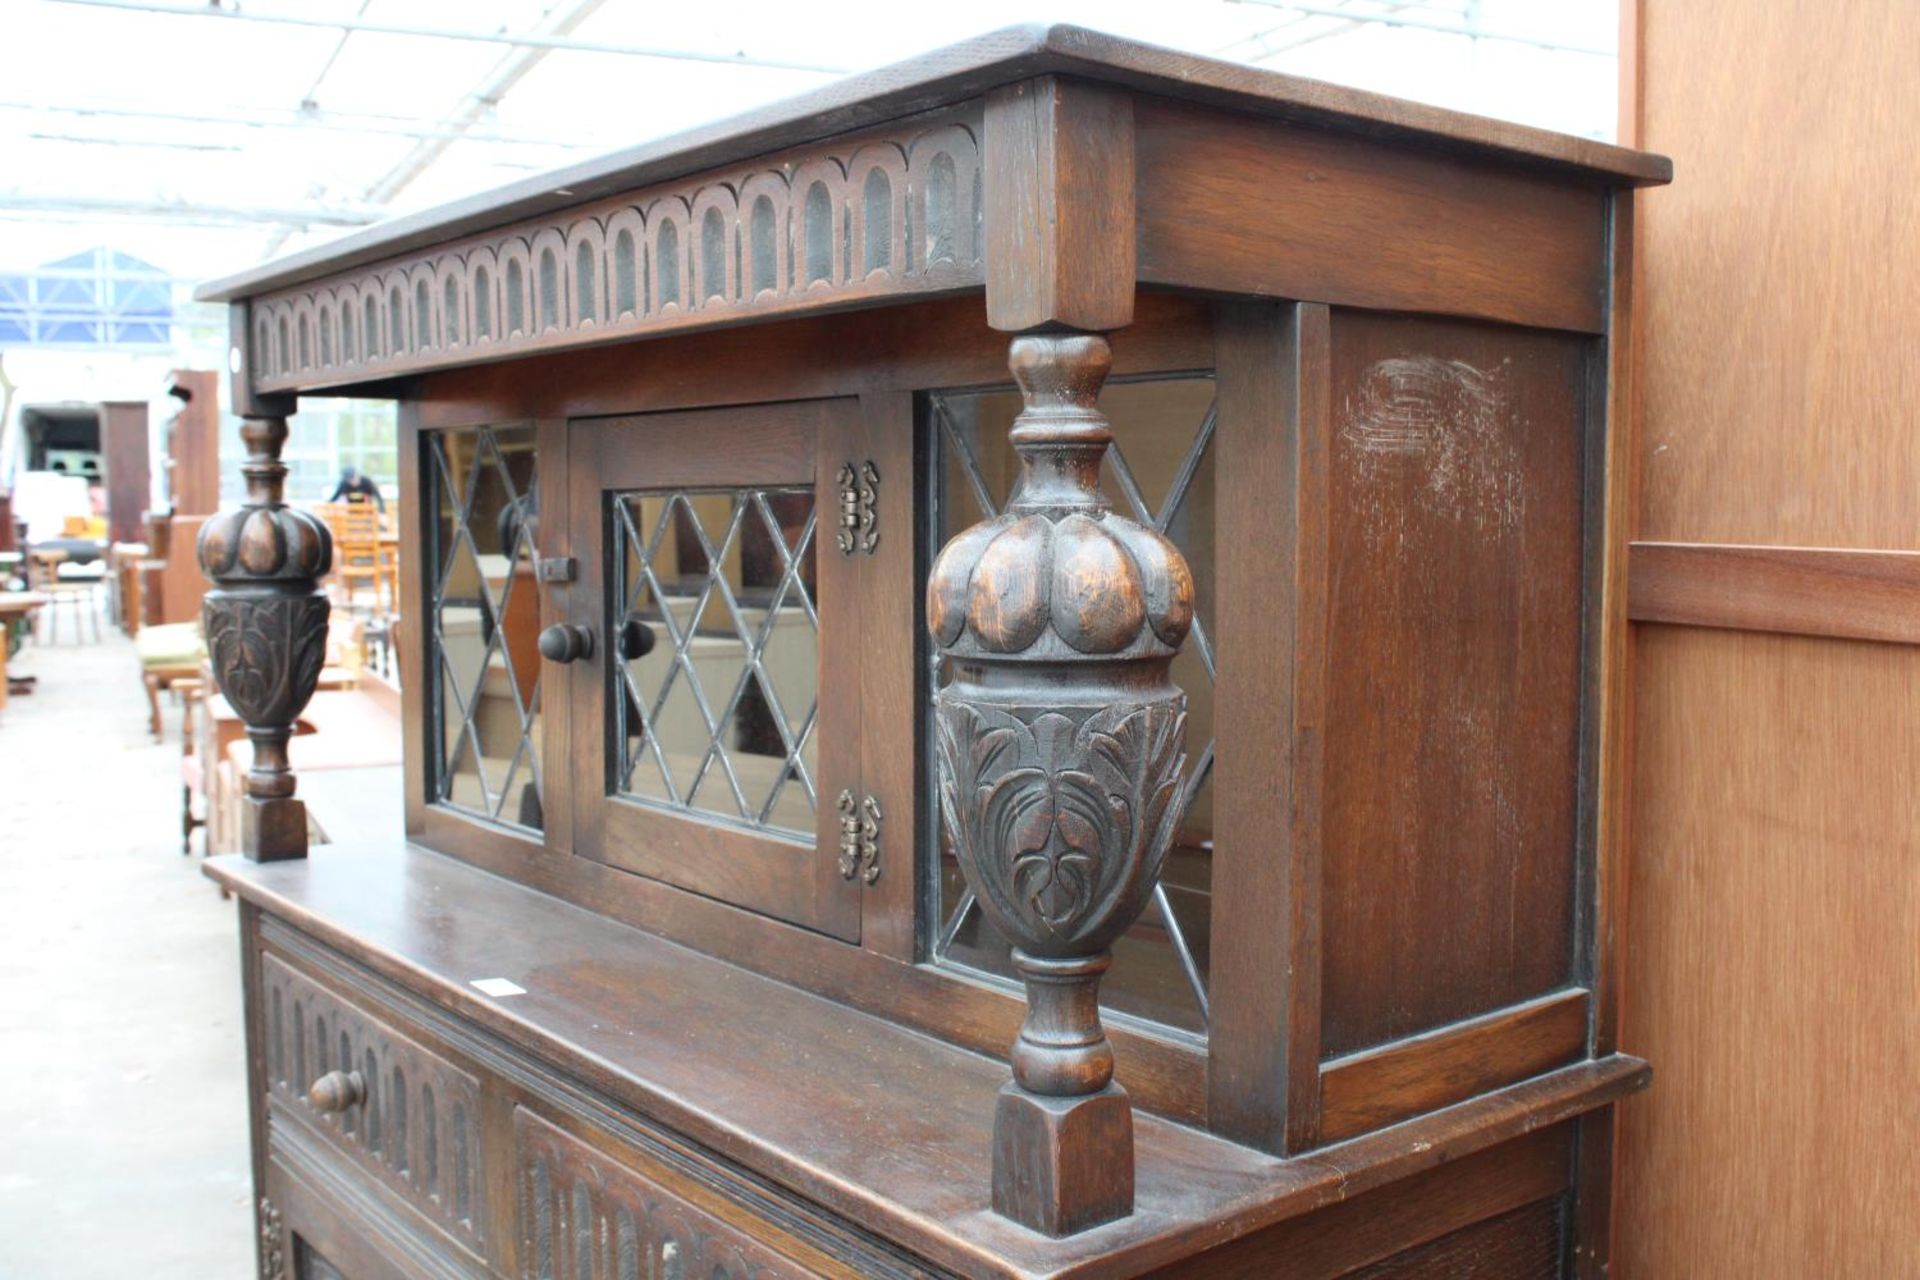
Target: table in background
(13, 604)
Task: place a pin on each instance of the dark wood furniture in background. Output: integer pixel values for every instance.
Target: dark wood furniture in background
(193, 441)
(171, 584)
(129, 476)
(674, 969)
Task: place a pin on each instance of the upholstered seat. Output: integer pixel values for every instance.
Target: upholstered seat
(176, 644)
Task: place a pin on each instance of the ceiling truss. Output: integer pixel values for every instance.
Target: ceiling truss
(471, 117)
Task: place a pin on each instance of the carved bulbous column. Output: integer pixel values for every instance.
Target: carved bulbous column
(266, 627)
(1060, 740)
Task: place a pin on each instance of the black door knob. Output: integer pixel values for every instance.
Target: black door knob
(563, 642)
(636, 638)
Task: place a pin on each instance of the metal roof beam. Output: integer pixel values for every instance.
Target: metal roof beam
(1302, 30)
(445, 33)
(343, 122)
(1471, 30)
(481, 101)
(20, 202)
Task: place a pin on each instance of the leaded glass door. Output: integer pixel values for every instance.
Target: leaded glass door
(711, 582)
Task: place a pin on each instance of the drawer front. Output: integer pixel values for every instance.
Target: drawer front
(584, 1214)
(416, 1127)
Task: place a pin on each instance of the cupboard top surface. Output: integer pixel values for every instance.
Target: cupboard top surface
(820, 1098)
(943, 78)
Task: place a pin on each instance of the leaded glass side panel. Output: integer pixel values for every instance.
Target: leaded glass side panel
(1160, 471)
(717, 636)
(483, 658)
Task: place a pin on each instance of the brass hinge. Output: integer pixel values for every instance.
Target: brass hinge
(859, 494)
(859, 838)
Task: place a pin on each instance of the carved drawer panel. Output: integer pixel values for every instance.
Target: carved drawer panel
(399, 1111)
(585, 1216)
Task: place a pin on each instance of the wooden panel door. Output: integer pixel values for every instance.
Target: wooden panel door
(715, 723)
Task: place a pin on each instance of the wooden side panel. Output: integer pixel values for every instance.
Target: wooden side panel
(1248, 206)
(1453, 684)
(1779, 273)
(1772, 975)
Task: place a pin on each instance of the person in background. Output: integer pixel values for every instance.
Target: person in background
(353, 484)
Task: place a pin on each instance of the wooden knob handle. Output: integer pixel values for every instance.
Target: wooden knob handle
(636, 637)
(563, 642)
(337, 1091)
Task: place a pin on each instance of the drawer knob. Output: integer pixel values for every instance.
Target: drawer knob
(564, 642)
(636, 637)
(338, 1091)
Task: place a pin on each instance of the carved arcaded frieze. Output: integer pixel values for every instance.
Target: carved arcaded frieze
(895, 211)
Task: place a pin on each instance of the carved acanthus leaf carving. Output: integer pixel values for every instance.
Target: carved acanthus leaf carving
(1063, 823)
(268, 651)
(266, 628)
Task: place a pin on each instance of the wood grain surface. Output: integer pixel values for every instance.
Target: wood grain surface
(1453, 672)
(1780, 273)
(1059, 208)
(1772, 974)
(1810, 591)
(1387, 1084)
(1774, 886)
(1371, 226)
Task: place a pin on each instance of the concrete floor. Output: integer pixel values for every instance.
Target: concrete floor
(123, 1122)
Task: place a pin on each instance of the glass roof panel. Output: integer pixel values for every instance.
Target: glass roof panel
(208, 137)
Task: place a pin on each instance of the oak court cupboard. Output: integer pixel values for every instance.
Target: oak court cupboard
(1011, 669)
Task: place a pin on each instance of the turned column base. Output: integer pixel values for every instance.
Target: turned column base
(273, 830)
(1062, 1165)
